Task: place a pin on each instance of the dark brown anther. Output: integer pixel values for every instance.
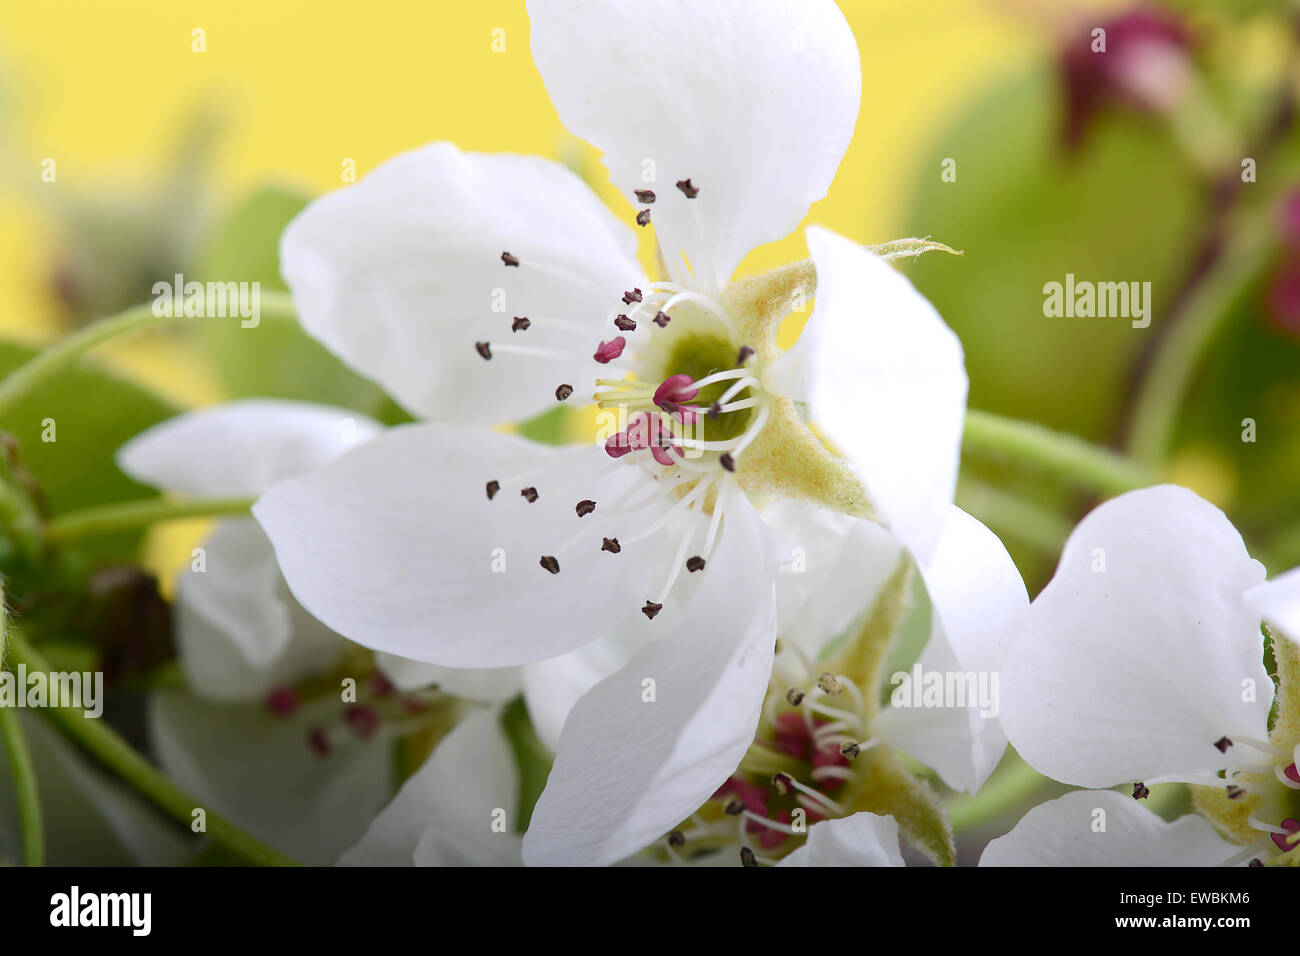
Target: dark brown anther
(492, 488)
(695, 564)
(782, 783)
(662, 319)
(520, 324)
(850, 750)
(530, 493)
(585, 507)
(483, 349)
(727, 462)
(550, 564)
(714, 410)
(1223, 743)
(633, 296)
(829, 683)
(509, 260)
(611, 545)
(794, 696)
(625, 324)
(563, 392)
(643, 217)
(651, 609)
(1256, 862)
(689, 191)
(676, 839)
(1235, 792)
(743, 355)
(747, 858)
(734, 808)
(1140, 791)
(646, 196)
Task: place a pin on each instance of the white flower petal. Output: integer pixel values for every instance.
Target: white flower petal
(397, 547)
(401, 274)
(241, 448)
(238, 630)
(1135, 671)
(259, 771)
(834, 565)
(554, 686)
(977, 598)
(957, 742)
(753, 102)
(627, 770)
(488, 685)
(861, 839)
(469, 776)
(1066, 832)
(885, 377)
(1278, 602)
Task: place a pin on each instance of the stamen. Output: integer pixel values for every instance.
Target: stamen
(650, 609)
(661, 319)
(282, 701)
(643, 217)
(492, 488)
(676, 839)
(829, 684)
(509, 260)
(646, 196)
(727, 462)
(362, 719)
(1286, 838)
(1234, 792)
(794, 696)
(520, 324)
(319, 742)
(483, 349)
(606, 352)
(611, 545)
(744, 354)
(625, 324)
(1287, 776)
(530, 494)
(747, 858)
(1223, 743)
(563, 392)
(688, 190)
(550, 564)
(1140, 791)
(633, 296)
(695, 564)
(585, 507)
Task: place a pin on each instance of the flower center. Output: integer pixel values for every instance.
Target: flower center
(1266, 785)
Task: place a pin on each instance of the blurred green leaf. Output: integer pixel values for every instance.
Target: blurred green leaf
(1127, 207)
(275, 359)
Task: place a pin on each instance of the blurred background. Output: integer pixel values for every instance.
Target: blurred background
(142, 139)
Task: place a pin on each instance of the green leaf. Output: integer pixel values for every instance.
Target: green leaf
(531, 756)
(1127, 207)
(276, 358)
(93, 412)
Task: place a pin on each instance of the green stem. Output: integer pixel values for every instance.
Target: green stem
(1036, 526)
(24, 774)
(127, 515)
(112, 751)
(20, 767)
(1165, 387)
(1069, 458)
(26, 378)
(1009, 788)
